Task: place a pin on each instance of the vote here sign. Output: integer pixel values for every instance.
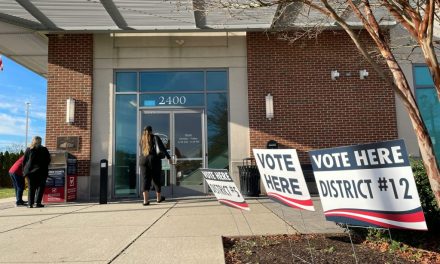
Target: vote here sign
(283, 178)
(368, 185)
(224, 188)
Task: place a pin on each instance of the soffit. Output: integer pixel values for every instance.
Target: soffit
(24, 22)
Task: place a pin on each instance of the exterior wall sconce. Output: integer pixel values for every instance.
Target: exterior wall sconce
(335, 75)
(269, 106)
(363, 74)
(70, 111)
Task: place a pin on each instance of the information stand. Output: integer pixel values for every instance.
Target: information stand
(61, 185)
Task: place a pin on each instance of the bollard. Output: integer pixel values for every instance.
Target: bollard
(103, 181)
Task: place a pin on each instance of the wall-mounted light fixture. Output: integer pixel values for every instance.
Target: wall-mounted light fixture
(269, 106)
(335, 75)
(70, 110)
(363, 74)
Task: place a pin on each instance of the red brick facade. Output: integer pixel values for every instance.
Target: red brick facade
(311, 110)
(70, 74)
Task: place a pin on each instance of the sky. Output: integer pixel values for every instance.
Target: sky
(19, 85)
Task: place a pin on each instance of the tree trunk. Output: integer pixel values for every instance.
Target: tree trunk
(423, 138)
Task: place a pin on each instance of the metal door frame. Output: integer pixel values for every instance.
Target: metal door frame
(171, 113)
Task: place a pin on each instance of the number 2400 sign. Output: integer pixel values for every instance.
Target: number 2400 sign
(172, 100)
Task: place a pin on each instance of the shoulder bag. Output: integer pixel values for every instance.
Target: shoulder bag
(159, 152)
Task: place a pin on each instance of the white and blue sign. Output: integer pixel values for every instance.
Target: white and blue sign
(283, 178)
(224, 188)
(368, 185)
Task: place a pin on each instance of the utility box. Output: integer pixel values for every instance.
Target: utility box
(61, 184)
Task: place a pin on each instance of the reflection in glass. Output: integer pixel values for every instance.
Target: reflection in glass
(423, 76)
(430, 109)
(125, 145)
(126, 82)
(216, 80)
(172, 81)
(218, 131)
(188, 173)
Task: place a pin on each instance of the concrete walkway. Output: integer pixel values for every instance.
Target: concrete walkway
(175, 231)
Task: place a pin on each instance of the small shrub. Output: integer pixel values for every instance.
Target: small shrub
(427, 199)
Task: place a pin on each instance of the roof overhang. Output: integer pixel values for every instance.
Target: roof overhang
(24, 46)
(24, 23)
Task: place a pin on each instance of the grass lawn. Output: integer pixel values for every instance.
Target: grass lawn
(9, 192)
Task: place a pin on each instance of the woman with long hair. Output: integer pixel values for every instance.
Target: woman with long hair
(150, 163)
(36, 169)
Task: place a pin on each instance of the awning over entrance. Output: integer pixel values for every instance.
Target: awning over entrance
(151, 15)
(20, 19)
(25, 46)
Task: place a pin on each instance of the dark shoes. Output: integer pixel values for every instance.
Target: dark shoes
(21, 203)
(37, 206)
(159, 201)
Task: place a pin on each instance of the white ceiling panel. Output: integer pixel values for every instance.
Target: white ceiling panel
(76, 14)
(12, 8)
(217, 17)
(157, 14)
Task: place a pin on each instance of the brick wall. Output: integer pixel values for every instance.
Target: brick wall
(311, 110)
(70, 74)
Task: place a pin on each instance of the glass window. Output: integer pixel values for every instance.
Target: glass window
(218, 130)
(126, 82)
(125, 145)
(429, 105)
(216, 80)
(172, 81)
(172, 100)
(422, 76)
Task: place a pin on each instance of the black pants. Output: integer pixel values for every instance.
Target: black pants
(37, 183)
(151, 169)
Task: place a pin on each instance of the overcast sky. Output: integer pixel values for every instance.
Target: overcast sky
(19, 85)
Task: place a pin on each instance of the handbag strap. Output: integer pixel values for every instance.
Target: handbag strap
(156, 144)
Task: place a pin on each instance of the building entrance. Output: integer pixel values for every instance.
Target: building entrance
(188, 109)
(182, 132)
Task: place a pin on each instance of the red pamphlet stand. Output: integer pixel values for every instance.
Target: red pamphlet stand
(61, 185)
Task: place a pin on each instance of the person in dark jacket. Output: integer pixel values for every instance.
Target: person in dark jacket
(150, 163)
(16, 173)
(36, 169)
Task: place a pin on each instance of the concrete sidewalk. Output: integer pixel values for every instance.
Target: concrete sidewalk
(178, 231)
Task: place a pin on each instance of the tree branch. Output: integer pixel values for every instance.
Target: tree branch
(399, 14)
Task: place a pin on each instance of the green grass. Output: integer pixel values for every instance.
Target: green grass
(9, 192)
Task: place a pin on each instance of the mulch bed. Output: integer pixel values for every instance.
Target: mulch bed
(319, 248)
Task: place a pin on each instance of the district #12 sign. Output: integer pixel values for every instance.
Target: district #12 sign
(368, 185)
(224, 188)
(283, 178)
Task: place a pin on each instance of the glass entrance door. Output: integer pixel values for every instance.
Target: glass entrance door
(183, 135)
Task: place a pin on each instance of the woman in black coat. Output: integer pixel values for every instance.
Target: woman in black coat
(150, 162)
(36, 168)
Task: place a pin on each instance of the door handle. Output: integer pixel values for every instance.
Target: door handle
(173, 160)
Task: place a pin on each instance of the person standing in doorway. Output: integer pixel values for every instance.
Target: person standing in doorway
(36, 169)
(16, 173)
(150, 162)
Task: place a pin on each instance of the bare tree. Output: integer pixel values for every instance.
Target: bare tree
(416, 16)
